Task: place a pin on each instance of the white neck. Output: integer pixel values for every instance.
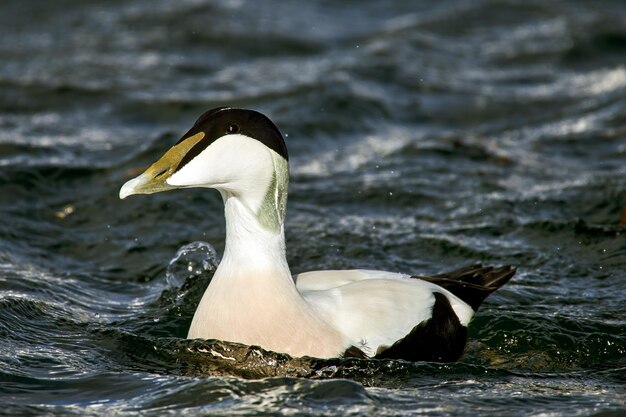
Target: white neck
(252, 298)
(249, 245)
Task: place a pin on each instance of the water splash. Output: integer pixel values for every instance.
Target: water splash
(190, 261)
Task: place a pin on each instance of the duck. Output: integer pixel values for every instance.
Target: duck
(253, 298)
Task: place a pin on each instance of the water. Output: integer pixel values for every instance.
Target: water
(423, 136)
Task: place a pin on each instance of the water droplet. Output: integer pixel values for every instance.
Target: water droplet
(192, 259)
(65, 211)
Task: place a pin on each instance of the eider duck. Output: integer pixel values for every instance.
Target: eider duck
(253, 298)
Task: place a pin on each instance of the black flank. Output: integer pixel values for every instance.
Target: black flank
(441, 338)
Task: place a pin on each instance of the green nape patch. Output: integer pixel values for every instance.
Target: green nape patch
(271, 214)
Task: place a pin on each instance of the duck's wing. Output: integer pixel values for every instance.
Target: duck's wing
(324, 280)
(377, 310)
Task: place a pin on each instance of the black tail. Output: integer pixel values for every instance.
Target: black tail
(473, 283)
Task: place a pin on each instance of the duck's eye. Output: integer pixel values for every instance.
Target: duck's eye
(232, 129)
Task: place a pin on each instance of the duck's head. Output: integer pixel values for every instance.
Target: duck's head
(239, 152)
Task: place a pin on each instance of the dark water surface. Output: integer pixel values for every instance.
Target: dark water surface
(423, 136)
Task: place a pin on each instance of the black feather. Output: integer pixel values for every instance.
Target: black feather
(441, 338)
(473, 283)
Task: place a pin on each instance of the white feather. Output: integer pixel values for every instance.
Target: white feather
(229, 157)
(252, 299)
(374, 309)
